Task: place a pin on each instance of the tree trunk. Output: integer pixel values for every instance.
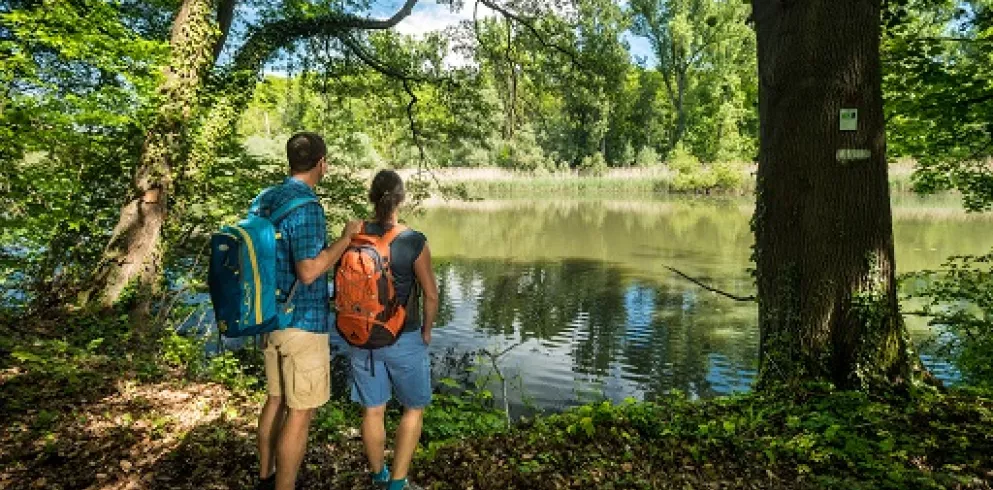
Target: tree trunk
(823, 227)
(133, 254)
(679, 105)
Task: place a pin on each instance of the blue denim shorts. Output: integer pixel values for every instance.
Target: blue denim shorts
(404, 366)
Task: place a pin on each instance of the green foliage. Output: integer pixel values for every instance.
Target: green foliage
(184, 352)
(728, 175)
(937, 58)
(69, 355)
(627, 156)
(469, 413)
(78, 82)
(522, 152)
(647, 157)
(707, 62)
(959, 299)
(689, 174)
(594, 165)
(237, 372)
(698, 181)
(241, 370)
(682, 161)
(809, 436)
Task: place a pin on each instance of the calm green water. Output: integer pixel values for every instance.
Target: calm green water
(582, 286)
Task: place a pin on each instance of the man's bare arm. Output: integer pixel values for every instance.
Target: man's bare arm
(309, 270)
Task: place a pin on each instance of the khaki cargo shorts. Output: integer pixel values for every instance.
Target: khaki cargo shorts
(298, 367)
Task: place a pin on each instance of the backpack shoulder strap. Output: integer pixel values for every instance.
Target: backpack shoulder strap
(256, 207)
(383, 242)
(283, 211)
(393, 233)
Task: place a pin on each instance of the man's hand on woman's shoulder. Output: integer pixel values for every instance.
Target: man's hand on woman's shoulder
(352, 228)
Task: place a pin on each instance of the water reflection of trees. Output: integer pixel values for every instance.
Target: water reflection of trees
(585, 279)
(660, 335)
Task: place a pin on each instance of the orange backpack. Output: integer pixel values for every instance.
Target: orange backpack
(369, 314)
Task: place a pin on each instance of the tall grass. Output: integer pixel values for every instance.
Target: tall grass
(617, 182)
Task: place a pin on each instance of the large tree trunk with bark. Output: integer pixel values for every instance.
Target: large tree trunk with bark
(133, 255)
(823, 227)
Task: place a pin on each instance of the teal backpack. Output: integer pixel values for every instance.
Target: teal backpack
(242, 273)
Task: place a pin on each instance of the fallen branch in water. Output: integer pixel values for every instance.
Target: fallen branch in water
(711, 288)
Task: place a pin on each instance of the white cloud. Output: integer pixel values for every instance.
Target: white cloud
(434, 18)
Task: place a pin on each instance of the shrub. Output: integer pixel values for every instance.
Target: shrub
(647, 157)
(522, 152)
(472, 156)
(957, 298)
(184, 352)
(727, 175)
(701, 180)
(594, 165)
(682, 161)
(627, 156)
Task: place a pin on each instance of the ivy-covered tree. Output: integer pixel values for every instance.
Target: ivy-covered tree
(823, 225)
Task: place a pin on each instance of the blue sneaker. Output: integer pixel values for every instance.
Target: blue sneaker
(403, 485)
(382, 480)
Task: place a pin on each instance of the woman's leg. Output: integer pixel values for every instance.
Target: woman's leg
(408, 433)
(374, 436)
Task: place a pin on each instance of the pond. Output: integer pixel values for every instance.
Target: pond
(579, 288)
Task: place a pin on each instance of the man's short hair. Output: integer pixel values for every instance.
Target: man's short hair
(304, 150)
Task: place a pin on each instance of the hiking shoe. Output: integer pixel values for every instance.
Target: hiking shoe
(266, 483)
(406, 486)
(376, 484)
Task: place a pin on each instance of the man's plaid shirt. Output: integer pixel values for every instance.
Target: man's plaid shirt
(304, 235)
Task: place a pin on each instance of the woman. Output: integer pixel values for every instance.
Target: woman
(404, 366)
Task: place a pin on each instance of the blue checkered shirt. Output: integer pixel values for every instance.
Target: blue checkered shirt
(304, 235)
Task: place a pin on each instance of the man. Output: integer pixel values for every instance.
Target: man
(297, 358)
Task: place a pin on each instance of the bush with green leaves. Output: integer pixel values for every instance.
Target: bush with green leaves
(810, 436)
(958, 298)
(701, 180)
(593, 165)
(521, 152)
(727, 175)
(183, 352)
(627, 156)
(682, 161)
(471, 156)
(647, 157)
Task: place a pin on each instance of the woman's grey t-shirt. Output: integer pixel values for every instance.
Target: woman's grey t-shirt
(404, 250)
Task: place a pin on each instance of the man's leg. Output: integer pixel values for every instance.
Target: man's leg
(374, 436)
(270, 423)
(408, 433)
(273, 412)
(305, 376)
(291, 446)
